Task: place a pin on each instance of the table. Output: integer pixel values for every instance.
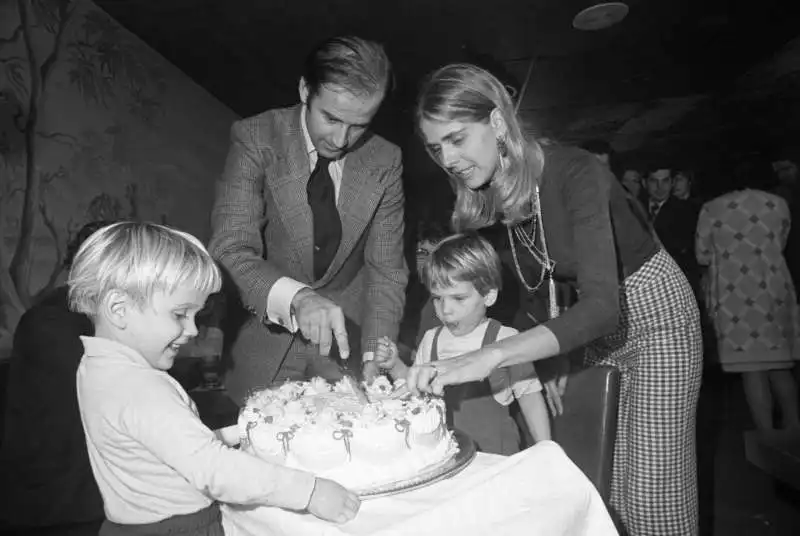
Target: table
(538, 491)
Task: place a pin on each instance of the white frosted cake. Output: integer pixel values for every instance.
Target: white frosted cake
(324, 429)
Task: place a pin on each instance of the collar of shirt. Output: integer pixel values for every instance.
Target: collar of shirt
(335, 168)
(450, 345)
(109, 350)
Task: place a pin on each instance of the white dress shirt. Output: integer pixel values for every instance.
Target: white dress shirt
(504, 389)
(151, 455)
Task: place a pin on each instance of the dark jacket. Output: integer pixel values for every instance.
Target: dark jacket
(43, 457)
(676, 225)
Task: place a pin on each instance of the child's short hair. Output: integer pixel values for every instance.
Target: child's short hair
(139, 259)
(464, 257)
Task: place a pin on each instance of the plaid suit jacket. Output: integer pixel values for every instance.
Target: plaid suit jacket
(262, 231)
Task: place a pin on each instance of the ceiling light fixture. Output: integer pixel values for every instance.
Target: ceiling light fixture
(600, 16)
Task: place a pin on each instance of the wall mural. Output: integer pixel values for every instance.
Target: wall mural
(93, 125)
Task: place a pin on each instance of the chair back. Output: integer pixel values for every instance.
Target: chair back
(588, 427)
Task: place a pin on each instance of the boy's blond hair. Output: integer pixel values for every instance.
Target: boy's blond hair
(138, 259)
(464, 257)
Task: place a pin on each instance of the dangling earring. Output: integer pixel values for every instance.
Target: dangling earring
(502, 148)
(502, 151)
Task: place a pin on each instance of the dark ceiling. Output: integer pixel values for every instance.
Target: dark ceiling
(249, 53)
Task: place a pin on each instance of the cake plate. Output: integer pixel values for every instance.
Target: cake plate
(466, 453)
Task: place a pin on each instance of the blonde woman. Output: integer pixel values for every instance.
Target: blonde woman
(568, 219)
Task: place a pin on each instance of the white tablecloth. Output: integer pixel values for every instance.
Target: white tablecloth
(538, 491)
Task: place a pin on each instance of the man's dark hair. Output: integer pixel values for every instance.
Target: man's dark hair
(352, 63)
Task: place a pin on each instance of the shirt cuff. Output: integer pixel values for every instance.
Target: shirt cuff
(368, 356)
(279, 302)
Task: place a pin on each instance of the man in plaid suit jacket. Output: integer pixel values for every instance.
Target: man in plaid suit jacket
(263, 232)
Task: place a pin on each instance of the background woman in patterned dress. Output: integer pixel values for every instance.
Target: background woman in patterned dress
(741, 236)
(569, 218)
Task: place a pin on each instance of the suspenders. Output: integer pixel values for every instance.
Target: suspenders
(454, 394)
(492, 330)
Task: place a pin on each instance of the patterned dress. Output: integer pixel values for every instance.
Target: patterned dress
(741, 237)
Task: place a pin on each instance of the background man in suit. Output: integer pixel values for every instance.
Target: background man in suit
(308, 221)
(675, 223)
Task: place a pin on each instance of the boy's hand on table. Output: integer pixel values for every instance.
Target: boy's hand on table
(332, 502)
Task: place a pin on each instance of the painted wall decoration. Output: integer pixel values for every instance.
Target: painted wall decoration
(93, 125)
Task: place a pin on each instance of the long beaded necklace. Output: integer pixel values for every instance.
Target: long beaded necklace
(541, 256)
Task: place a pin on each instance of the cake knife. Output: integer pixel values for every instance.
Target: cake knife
(355, 385)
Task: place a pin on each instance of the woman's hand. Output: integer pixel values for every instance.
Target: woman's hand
(556, 384)
(432, 377)
(552, 393)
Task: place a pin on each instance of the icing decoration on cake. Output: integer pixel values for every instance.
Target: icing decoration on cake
(285, 437)
(345, 434)
(404, 427)
(323, 428)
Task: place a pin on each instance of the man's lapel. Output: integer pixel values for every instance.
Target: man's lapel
(666, 210)
(289, 191)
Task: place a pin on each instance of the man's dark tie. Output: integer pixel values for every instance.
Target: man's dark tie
(327, 225)
(654, 208)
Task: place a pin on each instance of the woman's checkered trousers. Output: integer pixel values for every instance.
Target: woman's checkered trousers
(658, 349)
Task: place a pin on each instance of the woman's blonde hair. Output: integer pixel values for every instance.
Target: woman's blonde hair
(138, 259)
(464, 257)
(467, 93)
